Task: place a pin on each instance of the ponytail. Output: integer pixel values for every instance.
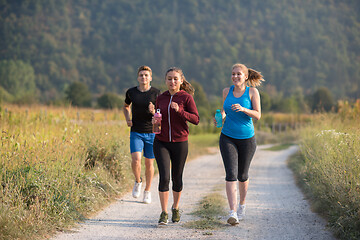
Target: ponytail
(254, 78)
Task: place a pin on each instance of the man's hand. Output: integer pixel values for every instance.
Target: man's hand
(129, 123)
(151, 108)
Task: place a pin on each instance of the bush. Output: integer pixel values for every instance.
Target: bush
(78, 94)
(110, 101)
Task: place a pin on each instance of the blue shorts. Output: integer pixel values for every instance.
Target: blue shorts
(142, 141)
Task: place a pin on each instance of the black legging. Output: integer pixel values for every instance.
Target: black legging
(237, 155)
(176, 153)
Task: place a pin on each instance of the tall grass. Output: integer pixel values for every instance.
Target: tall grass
(329, 166)
(57, 168)
(60, 165)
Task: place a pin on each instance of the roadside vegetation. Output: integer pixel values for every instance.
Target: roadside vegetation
(328, 168)
(60, 165)
(209, 212)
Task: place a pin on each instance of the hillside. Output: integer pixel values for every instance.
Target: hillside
(297, 45)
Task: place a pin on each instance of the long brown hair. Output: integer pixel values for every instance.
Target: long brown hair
(186, 86)
(254, 78)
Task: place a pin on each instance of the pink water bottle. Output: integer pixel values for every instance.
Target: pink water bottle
(157, 122)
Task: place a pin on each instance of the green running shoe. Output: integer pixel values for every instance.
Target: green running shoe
(163, 218)
(175, 215)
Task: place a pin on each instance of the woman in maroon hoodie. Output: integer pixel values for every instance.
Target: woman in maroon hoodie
(177, 107)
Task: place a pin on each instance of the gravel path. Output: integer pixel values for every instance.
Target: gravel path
(276, 208)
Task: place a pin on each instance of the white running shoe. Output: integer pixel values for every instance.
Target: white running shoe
(233, 218)
(136, 190)
(241, 212)
(147, 197)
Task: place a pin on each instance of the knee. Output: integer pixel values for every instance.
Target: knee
(231, 176)
(149, 163)
(243, 177)
(164, 184)
(136, 163)
(135, 159)
(177, 186)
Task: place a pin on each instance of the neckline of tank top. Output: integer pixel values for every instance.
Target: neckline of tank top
(241, 94)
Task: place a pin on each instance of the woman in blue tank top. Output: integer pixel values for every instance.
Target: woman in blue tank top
(237, 140)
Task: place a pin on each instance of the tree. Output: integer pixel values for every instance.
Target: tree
(17, 78)
(5, 96)
(101, 43)
(78, 94)
(322, 100)
(201, 100)
(109, 100)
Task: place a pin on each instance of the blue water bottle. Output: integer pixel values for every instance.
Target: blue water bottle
(218, 118)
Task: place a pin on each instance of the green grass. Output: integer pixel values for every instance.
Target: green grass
(55, 170)
(205, 140)
(279, 147)
(201, 144)
(328, 170)
(210, 210)
(60, 165)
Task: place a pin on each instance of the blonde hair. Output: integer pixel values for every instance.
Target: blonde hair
(186, 86)
(254, 78)
(144, 68)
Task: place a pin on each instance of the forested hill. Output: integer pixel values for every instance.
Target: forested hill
(297, 45)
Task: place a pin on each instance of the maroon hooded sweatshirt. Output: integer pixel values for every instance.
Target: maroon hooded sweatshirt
(174, 126)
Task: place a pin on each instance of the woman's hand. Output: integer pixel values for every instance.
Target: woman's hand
(214, 120)
(174, 106)
(237, 107)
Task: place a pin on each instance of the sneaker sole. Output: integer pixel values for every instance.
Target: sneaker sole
(162, 223)
(232, 221)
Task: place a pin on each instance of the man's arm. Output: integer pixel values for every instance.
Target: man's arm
(127, 114)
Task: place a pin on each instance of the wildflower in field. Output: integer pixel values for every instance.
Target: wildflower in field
(330, 133)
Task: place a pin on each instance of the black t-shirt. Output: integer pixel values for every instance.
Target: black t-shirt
(141, 116)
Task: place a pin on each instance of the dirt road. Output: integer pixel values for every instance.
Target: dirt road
(276, 208)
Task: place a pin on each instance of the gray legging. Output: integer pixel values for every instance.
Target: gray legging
(237, 155)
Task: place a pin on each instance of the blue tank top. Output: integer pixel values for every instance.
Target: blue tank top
(238, 125)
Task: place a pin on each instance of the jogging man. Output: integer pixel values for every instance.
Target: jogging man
(138, 111)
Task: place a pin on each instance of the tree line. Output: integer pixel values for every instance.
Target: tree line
(78, 94)
(300, 47)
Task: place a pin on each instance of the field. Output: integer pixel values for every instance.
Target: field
(328, 169)
(60, 165)
(57, 166)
